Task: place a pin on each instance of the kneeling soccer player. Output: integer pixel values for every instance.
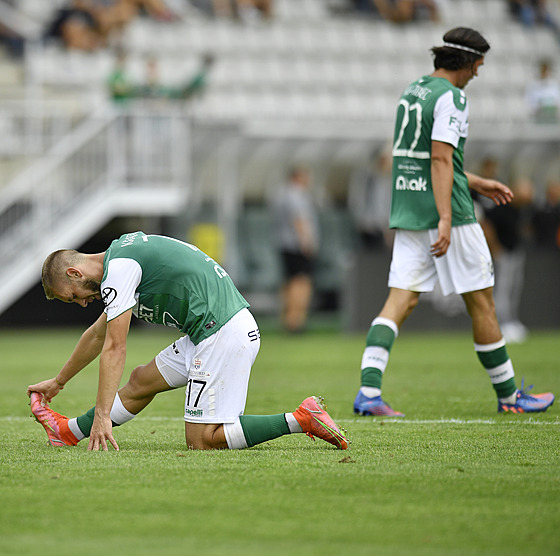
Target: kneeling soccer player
(165, 281)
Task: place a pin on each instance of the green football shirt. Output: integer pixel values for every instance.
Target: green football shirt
(430, 109)
(169, 282)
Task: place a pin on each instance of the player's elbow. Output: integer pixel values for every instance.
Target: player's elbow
(441, 161)
(114, 350)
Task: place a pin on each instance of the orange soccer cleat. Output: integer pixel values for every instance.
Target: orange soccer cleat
(315, 421)
(55, 425)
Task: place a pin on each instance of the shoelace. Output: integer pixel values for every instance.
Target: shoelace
(523, 391)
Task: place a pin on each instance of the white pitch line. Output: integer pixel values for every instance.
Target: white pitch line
(378, 420)
(369, 420)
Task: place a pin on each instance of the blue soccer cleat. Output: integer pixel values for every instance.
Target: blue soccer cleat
(374, 406)
(525, 403)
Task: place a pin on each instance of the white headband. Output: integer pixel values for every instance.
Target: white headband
(461, 47)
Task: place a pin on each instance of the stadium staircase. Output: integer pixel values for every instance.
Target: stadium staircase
(84, 181)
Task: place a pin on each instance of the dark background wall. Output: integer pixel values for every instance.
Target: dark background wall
(361, 297)
(366, 289)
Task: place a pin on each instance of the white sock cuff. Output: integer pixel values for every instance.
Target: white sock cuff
(119, 414)
(235, 437)
(386, 322)
(370, 391)
(490, 347)
(75, 430)
(510, 399)
(293, 424)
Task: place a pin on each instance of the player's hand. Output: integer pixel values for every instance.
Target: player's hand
(441, 245)
(101, 432)
(48, 388)
(493, 189)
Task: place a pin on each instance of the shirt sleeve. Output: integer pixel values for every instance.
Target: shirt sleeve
(450, 122)
(119, 287)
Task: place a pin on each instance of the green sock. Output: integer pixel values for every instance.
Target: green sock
(498, 365)
(260, 428)
(372, 377)
(379, 341)
(85, 421)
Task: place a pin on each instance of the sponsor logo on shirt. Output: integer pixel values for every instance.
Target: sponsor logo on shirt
(194, 374)
(108, 295)
(404, 184)
(409, 166)
(457, 124)
(170, 320)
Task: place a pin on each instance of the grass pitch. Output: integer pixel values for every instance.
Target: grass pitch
(452, 478)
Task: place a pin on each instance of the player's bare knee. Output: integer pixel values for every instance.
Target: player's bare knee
(199, 444)
(479, 302)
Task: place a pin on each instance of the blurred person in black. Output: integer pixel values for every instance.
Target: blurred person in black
(507, 229)
(369, 200)
(546, 219)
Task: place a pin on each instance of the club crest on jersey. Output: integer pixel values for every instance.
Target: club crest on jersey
(197, 364)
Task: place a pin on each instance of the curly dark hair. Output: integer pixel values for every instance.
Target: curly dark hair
(450, 58)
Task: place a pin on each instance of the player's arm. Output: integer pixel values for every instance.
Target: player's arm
(111, 366)
(493, 189)
(87, 349)
(442, 187)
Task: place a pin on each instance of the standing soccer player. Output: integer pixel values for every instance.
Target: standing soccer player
(437, 235)
(165, 281)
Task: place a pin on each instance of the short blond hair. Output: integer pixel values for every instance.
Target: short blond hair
(54, 269)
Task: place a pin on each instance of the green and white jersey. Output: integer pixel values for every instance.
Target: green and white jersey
(430, 109)
(169, 282)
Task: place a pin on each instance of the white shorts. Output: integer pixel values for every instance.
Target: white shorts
(466, 267)
(215, 372)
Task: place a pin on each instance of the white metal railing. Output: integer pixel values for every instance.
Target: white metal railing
(113, 163)
(29, 127)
